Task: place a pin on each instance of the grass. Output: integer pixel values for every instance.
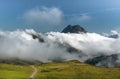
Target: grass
(64, 70)
(8, 71)
(75, 70)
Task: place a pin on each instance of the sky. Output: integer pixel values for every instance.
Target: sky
(54, 15)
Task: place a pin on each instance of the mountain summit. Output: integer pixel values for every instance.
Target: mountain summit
(74, 29)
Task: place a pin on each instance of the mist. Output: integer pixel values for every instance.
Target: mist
(27, 44)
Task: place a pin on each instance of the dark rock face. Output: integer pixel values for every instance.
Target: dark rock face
(114, 36)
(38, 37)
(74, 29)
(105, 61)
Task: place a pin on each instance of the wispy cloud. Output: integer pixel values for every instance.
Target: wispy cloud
(84, 17)
(112, 9)
(51, 17)
(103, 10)
(43, 16)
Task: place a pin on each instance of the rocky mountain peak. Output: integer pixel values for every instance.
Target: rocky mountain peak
(74, 29)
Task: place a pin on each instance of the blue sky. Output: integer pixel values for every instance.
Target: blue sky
(53, 15)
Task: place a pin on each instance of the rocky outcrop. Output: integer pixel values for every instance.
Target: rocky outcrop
(105, 61)
(74, 29)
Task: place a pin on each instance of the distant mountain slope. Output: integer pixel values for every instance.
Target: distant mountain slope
(104, 60)
(17, 61)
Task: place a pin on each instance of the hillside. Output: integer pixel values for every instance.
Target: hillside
(76, 70)
(17, 61)
(8, 71)
(62, 70)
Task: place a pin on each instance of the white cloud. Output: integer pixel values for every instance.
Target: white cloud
(50, 17)
(114, 32)
(43, 16)
(56, 45)
(84, 17)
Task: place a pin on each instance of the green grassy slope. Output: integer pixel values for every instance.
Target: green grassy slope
(64, 70)
(75, 70)
(8, 71)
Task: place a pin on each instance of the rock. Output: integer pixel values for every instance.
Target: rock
(105, 61)
(114, 36)
(74, 29)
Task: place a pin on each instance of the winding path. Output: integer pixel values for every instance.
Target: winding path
(34, 73)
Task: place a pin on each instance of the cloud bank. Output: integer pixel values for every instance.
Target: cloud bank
(56, 46)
